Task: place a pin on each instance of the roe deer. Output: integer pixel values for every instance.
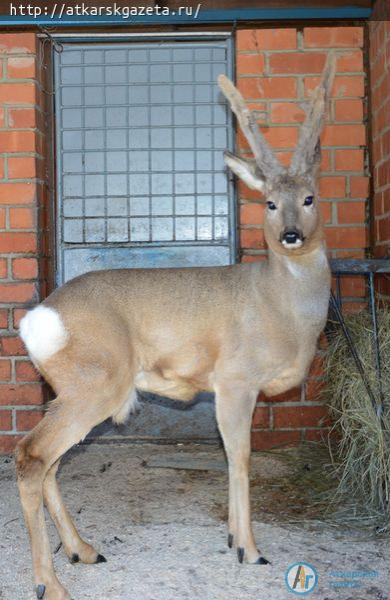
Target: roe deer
(233, 330)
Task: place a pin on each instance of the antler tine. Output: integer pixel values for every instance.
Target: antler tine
(307, 149)
(264, 156)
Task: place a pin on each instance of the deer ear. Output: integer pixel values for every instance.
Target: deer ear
(246, 170)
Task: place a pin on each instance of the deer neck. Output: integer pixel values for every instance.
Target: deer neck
(313, 263)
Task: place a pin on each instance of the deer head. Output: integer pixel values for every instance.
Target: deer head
(292, 222)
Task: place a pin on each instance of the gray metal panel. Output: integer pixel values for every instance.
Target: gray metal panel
(140, 138)
(81, 260)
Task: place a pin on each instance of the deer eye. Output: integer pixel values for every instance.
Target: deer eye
(271, 205)
(308, 201)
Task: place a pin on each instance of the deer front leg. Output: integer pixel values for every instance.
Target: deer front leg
(234, 410)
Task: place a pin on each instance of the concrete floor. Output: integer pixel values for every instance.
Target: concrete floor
(158, 515)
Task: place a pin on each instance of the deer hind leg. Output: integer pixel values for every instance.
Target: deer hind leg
(234, 410)
(75, 547)
(36, 454)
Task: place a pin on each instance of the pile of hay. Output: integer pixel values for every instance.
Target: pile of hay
(362, 455)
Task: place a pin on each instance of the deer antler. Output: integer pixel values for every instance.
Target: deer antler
(264, 156)
(307, 152)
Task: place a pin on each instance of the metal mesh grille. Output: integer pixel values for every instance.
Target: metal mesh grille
(142, 129)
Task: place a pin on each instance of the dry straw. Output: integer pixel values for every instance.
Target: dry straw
(362, 456)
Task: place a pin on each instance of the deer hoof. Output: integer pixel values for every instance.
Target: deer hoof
(100, 559)
(40, 591)
(230, 540)
(262, 561)
(240, 554)
(74, 558)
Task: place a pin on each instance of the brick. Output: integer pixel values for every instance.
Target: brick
(12, 346)
(313, 389)
(350, 62)
(18, 43)
(349, 160)
(5, 370)
(22, 218)
(28, 419)
(18, 242)
(3, 318)
(22, 118)
(378, 67)
(332, 187)
(325, 160)
(28, 394)
(22, 167)
(3, 268)
(278, 137)
(21, 67)
(351, 212)
(333, 37)
(251, 258)
(2, 117)
(344, 86)
(25, 371)
(265, 440)
(353, 307)
(383, 229)
(261, 417)
(317, 435)
(2, 172)
(17, 193)
(281, 137)
(5, 420)
(293, 417)
(18, 141)
(297, 62)
(18, 93)
(252, 238)
(17, 292)
(18, 314)
(268, 87)
(246, 193)
(359, 187)
(344, 135)
(249, 64)
(352, 286)
(293, 395)
(349, 110)
(326, 211)
(25, 268)
(8, 443)
(286, 112)
(346, 237)
(251, 214)
(284, 157)
(317, 366)
(266, 39)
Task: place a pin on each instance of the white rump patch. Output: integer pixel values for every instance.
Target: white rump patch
(130, 405)
(43, 333)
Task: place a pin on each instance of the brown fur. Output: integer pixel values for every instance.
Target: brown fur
(234, 330)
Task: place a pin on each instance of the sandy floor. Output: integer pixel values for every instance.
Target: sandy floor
(163, 531)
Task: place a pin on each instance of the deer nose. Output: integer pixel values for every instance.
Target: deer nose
(291, 236)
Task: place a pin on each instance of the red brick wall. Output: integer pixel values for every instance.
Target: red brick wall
(21, 150)
(276, 68)
(380, 104)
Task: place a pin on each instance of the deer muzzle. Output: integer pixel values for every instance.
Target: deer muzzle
(291, 238)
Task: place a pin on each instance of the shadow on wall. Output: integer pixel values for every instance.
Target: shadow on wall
(163, 419)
